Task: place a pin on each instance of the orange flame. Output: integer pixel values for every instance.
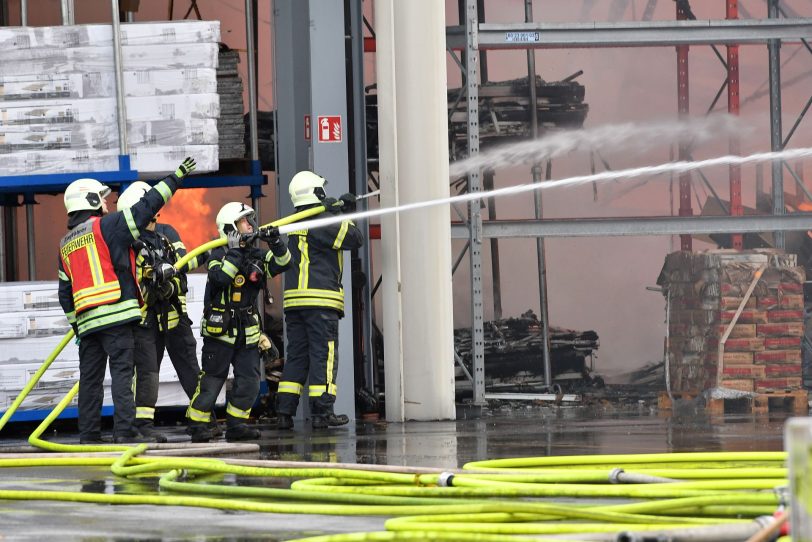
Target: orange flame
(189, 213)
(805, 206)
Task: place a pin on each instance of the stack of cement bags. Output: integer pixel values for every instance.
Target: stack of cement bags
(58, 110)
(230, 123)
(763, 350)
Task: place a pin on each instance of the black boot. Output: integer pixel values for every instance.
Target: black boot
(284, 421)
(215, 428)
(330, 420)
(241, 432)
(147, 430)
(94, 438)
(199, 431)
(133, 437)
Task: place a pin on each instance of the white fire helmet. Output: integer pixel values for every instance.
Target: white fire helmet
(85, 195)
(230, 214)
(306, 188)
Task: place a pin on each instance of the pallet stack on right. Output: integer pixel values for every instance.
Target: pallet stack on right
(750, 302)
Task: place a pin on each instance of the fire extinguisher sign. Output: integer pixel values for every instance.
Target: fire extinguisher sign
(329, 128)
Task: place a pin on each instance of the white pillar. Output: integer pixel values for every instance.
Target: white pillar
(413, 132)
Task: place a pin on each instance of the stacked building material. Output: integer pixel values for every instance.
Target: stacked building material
(761, 351)
(514, 353)
(58, 108)
(229, 87)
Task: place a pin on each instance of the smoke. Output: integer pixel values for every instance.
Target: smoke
(630, 137)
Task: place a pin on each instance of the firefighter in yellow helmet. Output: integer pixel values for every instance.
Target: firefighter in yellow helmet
(99, 293)
(231, 321)
(314, 302)
(164, 325)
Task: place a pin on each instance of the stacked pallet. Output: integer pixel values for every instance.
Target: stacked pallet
(229, 87)
(58, 108)
(743, 310)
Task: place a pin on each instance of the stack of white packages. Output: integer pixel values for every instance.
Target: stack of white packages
(31, 326)
(58, 110)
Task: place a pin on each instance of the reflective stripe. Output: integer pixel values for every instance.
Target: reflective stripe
(198, 415)
(214, 263)
(313, 302)
(317, 391)
(106, 315)
(290, 387)
(95, 264)
(251, 335)
(194, 396)
(331, 358)
(179, 245)
(62, 276)
(328, 294)
(91, 297)
(128, 216)
(145, 413)
(192, 263)
(283, 260)
(342, 233)
(164, 190)
(230, 269)
(304, 262)
(231, 410)
(71, 316)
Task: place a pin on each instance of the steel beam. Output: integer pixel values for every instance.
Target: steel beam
(734, 171)
(683, 109)
(631, 33)
(638, 226)
(776, 137)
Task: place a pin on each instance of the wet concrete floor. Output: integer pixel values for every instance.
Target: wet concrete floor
(500, 433)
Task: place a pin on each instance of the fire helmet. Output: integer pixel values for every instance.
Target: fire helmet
(230, 214)
(306, 188)
(132, 195)
(85, 195)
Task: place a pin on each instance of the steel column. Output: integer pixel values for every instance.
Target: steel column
(734, 171)
(23, 12)
(538, 209)
(496, 273)
(250, 58)
(30, 237)
(776, 137)
(683, 108)
(474, 215)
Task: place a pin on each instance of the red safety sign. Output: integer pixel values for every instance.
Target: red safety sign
(307, 128)
(329, 127)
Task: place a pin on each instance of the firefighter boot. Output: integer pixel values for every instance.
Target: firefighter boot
(241, 432)
(200, 432)
(284, 421)
(330, 420)
(148, 431)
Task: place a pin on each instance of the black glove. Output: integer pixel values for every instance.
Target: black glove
(165, 290)
(164, 272)
(234, 239)
(270, 235)
(186, 167)
(348, 202)
(331, 205)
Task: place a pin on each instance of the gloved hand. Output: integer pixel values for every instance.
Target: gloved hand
(348, 202)
(164, 272)
(331, 205)
(270, 235)
(166, 290)
(186, 167)
(234, 239)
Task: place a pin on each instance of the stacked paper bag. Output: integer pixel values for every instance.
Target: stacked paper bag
(762, 352)
(58, 109)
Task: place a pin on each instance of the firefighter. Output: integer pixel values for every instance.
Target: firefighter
(99, 293)
(314, 302)
(231, 323)
(164, 323)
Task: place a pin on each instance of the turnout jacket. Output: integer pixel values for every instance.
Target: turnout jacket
(314, 278)
(164, 304)
(97, 283)
(236, 277)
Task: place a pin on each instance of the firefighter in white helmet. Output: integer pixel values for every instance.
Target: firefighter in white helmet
(231, 321)
(164, 325)
(99, 293)
(314, 302)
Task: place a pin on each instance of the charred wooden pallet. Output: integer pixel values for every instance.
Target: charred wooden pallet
(794, 401)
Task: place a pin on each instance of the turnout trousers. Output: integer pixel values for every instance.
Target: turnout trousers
(149, 352)
(311, 356)
(217, 357)
(115, 343)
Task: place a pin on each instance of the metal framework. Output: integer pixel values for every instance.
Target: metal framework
(683, 32)
(27, 186)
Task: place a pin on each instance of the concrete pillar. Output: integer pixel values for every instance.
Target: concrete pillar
(414, 163)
